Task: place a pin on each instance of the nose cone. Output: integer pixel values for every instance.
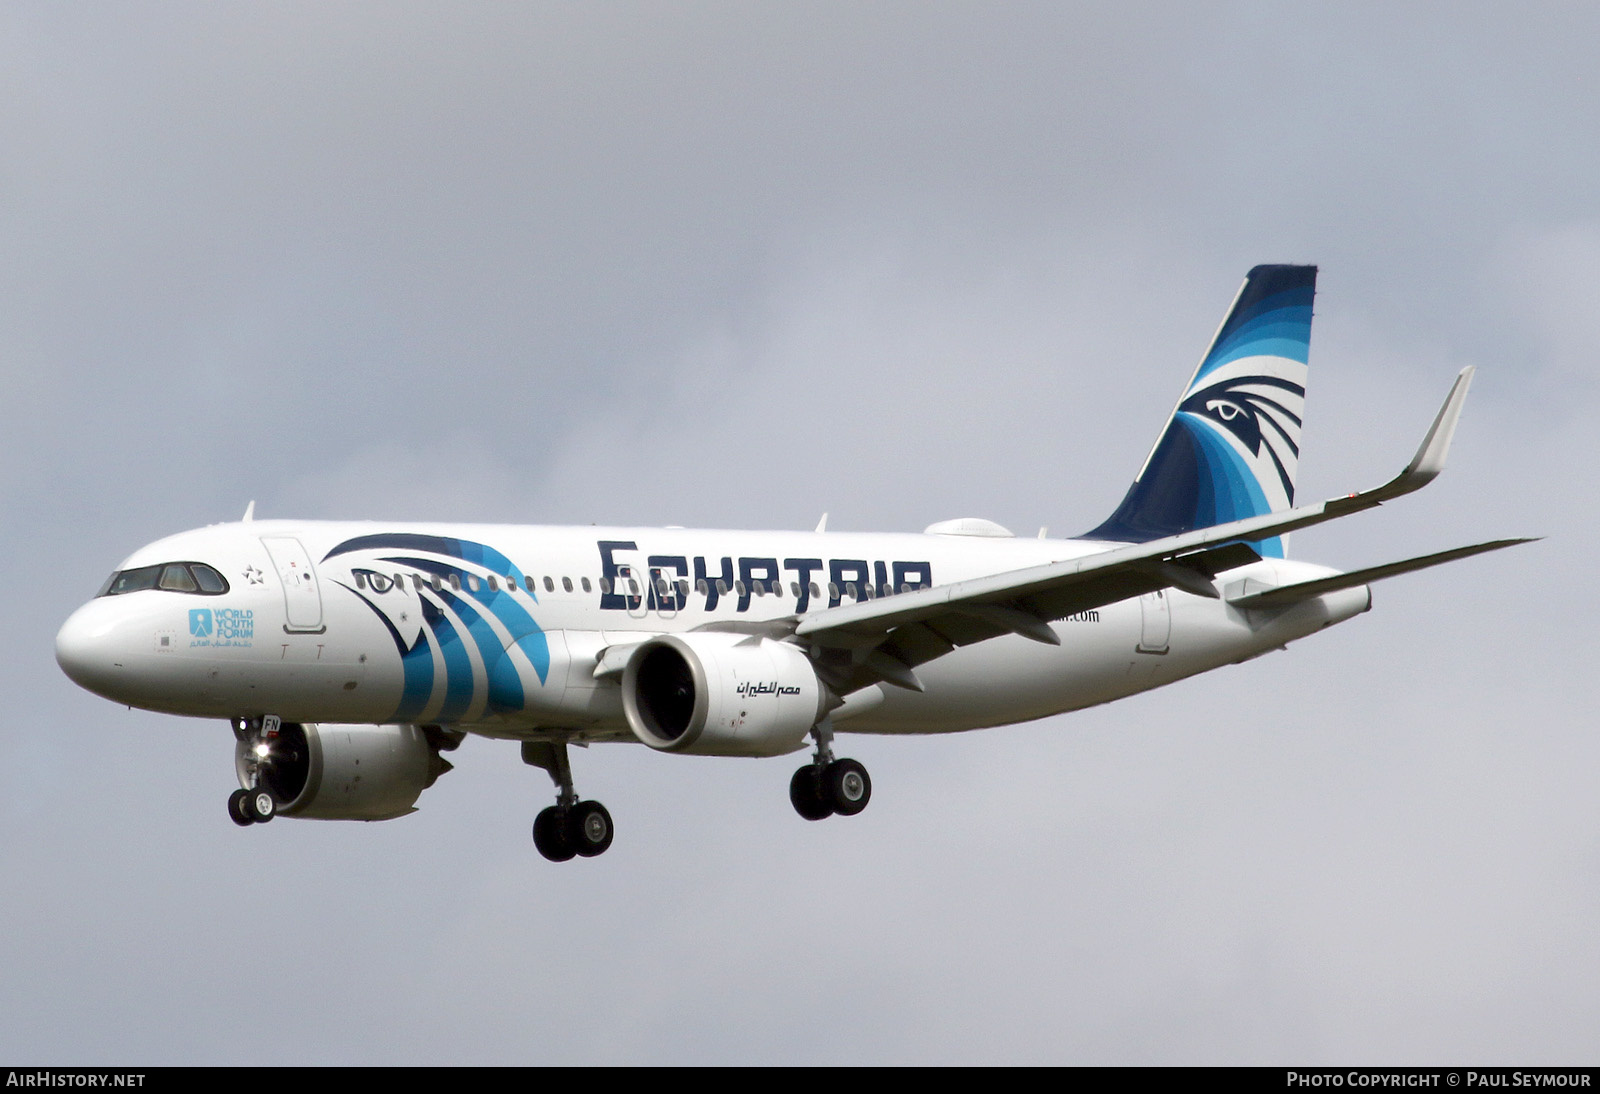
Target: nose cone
(89, 651)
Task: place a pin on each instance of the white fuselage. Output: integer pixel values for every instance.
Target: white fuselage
(498, 628)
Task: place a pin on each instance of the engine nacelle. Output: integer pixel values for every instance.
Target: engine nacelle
(709, 693)
(346, 772)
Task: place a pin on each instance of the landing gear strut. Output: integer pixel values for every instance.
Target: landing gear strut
(826, 786)
(570, 827)
(254, 803)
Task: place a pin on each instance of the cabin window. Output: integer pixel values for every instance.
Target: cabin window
(566, 584)
(549, 584)
(585, 584)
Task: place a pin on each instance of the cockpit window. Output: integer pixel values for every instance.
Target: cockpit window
(210, 581)
(176, 577)
(133, 581)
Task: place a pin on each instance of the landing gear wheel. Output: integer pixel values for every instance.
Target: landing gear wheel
(550, 834)
(588, 829)
(847, 787)
(807, 796)
(236, 808)
(259, 805)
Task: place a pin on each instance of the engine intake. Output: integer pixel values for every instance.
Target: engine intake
(708, 693)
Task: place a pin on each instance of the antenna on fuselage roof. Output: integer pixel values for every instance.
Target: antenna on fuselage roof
(822, 525)
(249, 512)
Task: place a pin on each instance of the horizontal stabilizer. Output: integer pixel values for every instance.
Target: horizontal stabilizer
(1287, 595)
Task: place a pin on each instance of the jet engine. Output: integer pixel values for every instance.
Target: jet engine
(710, 693)
(345, 772)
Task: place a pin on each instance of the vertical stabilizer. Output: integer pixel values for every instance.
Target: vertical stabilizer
(1232, 445)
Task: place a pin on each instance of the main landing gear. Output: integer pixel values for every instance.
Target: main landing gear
(570, 827)
(254, 803)
(826, 786)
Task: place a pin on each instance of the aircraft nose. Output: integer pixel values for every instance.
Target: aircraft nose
(88, 652)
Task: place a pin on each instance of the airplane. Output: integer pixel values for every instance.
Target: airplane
(348, 657)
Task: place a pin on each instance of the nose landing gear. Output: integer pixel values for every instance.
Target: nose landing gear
(569, 828)
(254, 803)
(248, 807)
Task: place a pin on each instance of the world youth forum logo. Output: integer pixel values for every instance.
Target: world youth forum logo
(200, 622)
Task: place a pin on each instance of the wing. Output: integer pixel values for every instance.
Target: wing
(886, 639)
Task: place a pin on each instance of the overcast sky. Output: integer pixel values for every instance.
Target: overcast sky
(735, 265)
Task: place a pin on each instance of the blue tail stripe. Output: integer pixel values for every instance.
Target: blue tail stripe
(1231, 448)
(1274, 307)
(1240, 496)
(1231, 492)
(1272, 336)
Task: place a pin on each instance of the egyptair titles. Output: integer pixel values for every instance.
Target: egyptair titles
(668, 581)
